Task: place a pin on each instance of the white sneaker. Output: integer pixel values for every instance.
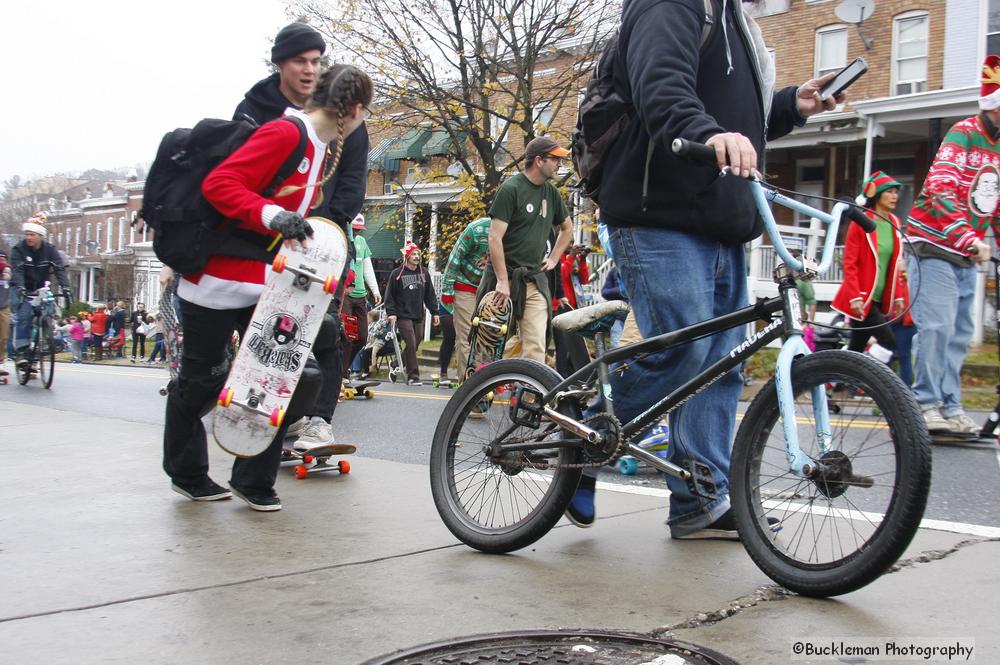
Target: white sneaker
(935, 421)
(317, 433)
(962, 424)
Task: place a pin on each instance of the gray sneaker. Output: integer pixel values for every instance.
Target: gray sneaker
(962, 424)
(317, 432)
(935, 421)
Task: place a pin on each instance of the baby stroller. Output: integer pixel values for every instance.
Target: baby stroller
(383, 345)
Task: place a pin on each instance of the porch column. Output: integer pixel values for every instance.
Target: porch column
(432, 241)
(756, 247)
(869, 147)
(408, 212)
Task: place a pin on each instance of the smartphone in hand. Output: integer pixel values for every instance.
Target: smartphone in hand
(843, 79)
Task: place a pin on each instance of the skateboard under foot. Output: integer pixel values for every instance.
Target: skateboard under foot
(356, 389)
(316, 460)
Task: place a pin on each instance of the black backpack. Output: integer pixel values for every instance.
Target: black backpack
(606, 113)
(187, 228)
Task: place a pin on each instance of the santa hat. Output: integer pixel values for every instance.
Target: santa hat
(35, 224)
(876, 183)
(359, 223)
(409, 247)
(989, 93)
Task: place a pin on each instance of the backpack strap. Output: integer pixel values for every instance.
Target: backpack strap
(294, 159)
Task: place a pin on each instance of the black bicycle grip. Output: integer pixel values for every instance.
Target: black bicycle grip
(698, 153)
(852, 213)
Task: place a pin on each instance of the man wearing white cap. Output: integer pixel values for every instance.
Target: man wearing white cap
(947, 229)
(356, 301)
(33, 262)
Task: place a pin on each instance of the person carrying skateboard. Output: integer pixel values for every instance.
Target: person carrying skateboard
(5, 275)
(221, 298)
(356, 301)
(947, 228)
(296, 54)
(408, 291)
(460, 282)
(33, 262)
(524, 211)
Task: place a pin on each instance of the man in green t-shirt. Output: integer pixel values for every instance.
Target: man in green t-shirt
(525, 210)
(356, 301)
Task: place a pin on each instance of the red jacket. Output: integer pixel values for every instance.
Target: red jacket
(566, 274)
(234, 189)
(98, 322)
(861, 270)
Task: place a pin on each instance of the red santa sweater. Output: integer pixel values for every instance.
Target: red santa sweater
(958, 202)
(234, 188)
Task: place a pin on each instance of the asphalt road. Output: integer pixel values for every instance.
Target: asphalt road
(399, 422)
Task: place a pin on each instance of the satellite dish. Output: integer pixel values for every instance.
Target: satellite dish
(855, 11)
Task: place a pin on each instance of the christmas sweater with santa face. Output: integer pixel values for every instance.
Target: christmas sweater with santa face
(958, 202)
(234, 187)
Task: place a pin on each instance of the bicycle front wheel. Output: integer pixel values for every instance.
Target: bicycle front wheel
(841, 530)
(499, 504)
(45, 353)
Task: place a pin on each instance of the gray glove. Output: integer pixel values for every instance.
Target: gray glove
(291, 226)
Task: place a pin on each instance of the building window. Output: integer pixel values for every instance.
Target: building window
(909, 53)
(993, 27)
(831, 49)
(543, 117)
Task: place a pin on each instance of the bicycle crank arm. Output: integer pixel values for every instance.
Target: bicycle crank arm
(658, 463)
(586, 433)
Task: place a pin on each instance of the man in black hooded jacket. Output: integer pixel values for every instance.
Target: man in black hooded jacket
(677, 229)
(296, 52)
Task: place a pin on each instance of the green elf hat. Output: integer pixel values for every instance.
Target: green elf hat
(877, 183)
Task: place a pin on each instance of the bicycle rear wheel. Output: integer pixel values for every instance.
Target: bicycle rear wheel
(499, 504)
(45, 353)
(840, 531)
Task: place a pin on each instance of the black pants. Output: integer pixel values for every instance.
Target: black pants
(571, 350)
(883, 334)
(328, 349)
(447, 343)
(204, 366)
(139, 340)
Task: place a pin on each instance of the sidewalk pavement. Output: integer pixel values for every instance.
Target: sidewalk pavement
(101, 563)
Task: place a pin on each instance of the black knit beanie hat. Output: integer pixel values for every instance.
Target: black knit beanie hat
(296, 38)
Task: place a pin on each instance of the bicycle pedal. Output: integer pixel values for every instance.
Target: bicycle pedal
(701, 482)
(526, 407)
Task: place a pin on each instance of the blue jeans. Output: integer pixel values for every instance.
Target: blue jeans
(904, 350)
(674, 280)
(21, 312)
(943, 297)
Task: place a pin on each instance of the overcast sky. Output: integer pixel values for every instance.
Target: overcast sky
(96, 83)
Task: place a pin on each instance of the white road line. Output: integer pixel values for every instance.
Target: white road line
(933, 525)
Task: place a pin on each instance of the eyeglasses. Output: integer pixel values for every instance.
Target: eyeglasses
(368, 111)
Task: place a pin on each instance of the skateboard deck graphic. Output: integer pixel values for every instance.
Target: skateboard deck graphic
(488, 335)
(315, 460)
(277, 342)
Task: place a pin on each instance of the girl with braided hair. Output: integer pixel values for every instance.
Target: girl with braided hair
(221, 298)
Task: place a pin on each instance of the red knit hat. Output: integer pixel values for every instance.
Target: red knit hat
(409, 247)
(989, 94)
(877, 183)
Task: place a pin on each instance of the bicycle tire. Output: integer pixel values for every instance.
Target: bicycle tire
(45, 353)
(881, 519)
(475, 512)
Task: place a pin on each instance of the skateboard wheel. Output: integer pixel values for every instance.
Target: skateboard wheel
(329, 284)
(279, 263)
(501, 390)
(307, 459)
(344, 466)
(225, 397)
(301, 472)
(369, 394)
(628, 466)
(503, 329)
(163, 390)
(277, 416)
(475, 321)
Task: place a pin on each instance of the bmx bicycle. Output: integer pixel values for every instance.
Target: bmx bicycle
(826, 491)
(40, 356)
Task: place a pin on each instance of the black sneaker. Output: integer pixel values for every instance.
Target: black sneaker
(206, 490)
(723, 528)
(259, 501)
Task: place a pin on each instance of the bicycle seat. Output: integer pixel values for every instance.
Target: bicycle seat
(587, 321)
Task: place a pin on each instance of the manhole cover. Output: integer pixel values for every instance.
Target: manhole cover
(557, 647)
